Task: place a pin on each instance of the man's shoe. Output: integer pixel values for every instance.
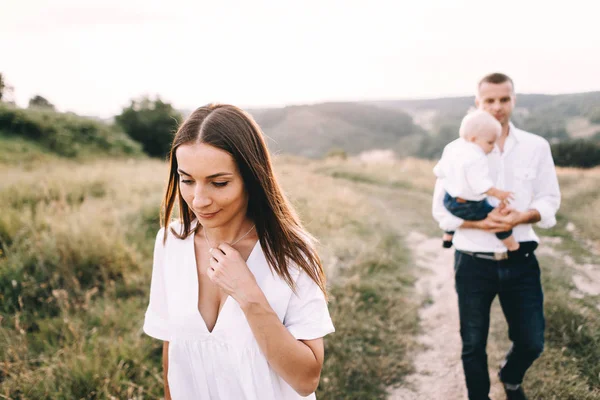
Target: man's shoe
(517, 394)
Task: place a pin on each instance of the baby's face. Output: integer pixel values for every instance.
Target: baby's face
(485, 140)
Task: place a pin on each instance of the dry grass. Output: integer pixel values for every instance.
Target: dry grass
(569, 368)
(76, 242)
(75, 267)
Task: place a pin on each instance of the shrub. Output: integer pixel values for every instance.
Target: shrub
(66, 134)
(576, 153)
(150, 123)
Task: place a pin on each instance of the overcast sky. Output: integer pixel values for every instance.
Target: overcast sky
(93, 56)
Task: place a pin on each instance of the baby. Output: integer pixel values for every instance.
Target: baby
(463, 171)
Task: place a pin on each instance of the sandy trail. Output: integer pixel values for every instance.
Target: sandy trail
(438, 367)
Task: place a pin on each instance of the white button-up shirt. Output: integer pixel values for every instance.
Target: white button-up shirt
(526, 168)
(463, 170)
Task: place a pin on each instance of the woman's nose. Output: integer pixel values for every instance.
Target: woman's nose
(201, 202)
(201, 199)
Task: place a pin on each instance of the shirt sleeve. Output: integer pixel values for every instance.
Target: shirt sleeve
(307, 316)
(477, 176)
(546, 192)
(156, 322)
(445, 219)
(438, 170)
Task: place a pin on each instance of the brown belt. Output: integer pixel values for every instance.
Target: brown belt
(498, 256)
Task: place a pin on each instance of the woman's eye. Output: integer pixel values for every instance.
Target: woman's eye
(186, 181)
(220, 184)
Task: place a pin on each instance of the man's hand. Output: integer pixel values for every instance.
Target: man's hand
(501, 219)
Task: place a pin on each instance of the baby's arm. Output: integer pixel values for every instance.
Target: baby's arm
(502, 195)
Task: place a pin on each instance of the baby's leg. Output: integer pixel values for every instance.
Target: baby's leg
(447, 239)
(511, 243)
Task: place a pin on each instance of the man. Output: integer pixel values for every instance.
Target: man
(521, 163)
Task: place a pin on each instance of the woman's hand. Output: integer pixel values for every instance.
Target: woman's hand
(229, 271)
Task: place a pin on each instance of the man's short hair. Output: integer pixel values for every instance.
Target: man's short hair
(496, 78)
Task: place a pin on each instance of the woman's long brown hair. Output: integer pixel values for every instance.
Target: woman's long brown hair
(281, 235)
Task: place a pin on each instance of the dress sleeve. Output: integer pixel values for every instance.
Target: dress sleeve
(307, 316)
(156, 322)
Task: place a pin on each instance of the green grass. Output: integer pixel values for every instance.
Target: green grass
(375, 322)
(569, 368)
(62, 134)
(16, 150)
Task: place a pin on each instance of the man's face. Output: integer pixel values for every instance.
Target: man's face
(498, 99)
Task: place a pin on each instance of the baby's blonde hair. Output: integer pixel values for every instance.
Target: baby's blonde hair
(477, 122)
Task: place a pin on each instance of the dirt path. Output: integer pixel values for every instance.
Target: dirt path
(439, 371)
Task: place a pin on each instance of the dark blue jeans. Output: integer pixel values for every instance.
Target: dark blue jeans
(518, 286)
(471, 211)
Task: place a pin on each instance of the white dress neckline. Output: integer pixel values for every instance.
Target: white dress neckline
(222, 313)
(226, 363)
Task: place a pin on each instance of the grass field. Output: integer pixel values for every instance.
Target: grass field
(75, 261)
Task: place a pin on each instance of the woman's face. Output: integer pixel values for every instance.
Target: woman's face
(211, 184)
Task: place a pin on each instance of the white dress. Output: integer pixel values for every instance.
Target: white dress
(227, 363)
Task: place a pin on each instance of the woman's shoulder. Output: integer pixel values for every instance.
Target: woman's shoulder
(175, 231)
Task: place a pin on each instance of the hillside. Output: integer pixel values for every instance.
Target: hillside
(314, 130)
(41, 135)
(416, 127)
(556, 117)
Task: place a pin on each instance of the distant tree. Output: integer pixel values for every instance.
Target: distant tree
(432, 146)
(579, 153)
(546, 123)
(6, 91)
(151, 123)
(2, 85)
(595, 116)
(38, 101)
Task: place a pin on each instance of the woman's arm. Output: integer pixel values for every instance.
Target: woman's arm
(298, 362)
(165, 358)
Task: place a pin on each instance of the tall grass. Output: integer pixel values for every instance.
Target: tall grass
(75, 259)
(76, 245)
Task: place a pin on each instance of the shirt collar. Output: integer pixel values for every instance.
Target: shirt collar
(515, 132)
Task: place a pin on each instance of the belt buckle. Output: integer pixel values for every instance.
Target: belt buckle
(499, 256)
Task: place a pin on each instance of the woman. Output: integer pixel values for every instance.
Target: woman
(238, 291)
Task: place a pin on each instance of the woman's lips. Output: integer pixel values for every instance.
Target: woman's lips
(208, 215)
